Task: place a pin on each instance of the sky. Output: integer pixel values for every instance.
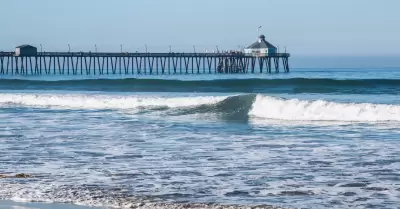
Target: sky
(304, 27)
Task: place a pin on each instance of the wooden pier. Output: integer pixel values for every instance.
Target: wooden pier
(87, 63)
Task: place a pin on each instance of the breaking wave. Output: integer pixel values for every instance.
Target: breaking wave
(236, 107)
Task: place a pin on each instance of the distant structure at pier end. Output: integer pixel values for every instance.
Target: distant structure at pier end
(260, 48)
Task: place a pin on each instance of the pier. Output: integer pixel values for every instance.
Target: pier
(80, 63)
(260, 57)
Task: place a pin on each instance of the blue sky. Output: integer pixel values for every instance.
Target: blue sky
(305, 27)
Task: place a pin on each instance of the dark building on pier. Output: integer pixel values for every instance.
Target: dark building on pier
(25, 50)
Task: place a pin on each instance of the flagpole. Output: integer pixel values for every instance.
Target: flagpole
(258, 32)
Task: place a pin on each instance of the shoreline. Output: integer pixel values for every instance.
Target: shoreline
(7, 204)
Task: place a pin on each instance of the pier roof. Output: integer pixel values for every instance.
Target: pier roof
(25, 46)
(261, 44)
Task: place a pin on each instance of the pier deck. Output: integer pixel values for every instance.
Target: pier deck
(92, 63)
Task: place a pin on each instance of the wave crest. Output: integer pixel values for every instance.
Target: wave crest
(320, 110)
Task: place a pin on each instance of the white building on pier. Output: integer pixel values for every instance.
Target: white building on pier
(260, 47)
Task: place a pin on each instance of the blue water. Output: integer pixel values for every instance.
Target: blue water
(313, 138)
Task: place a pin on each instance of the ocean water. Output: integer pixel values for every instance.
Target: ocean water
(313, 138)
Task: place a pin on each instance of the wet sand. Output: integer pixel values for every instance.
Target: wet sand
(7, 204)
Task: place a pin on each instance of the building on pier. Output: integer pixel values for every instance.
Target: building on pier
(260, 48)
(25, 50)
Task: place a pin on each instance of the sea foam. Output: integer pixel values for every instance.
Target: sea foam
(320, 110)
(85, 101)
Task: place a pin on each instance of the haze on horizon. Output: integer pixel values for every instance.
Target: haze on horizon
(307, 27)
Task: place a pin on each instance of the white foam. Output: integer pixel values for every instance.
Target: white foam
(303, 110)
(83, 101)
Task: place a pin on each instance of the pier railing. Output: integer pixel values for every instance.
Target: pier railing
(126, 54)
(88, 63)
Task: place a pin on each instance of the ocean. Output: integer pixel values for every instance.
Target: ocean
(313, 138)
